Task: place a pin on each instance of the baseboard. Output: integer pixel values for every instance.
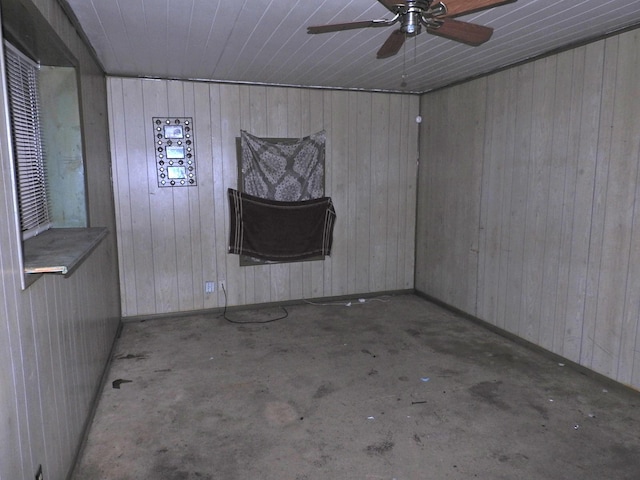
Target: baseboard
(253, 306)
(529, 345)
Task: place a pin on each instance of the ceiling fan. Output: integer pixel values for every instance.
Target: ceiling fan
(436, 16)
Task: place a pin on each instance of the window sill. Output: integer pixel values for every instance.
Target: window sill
(60, 250)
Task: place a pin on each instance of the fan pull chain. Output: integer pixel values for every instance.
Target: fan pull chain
(403, 83)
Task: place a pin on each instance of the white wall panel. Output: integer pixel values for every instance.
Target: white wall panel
(179, 237)
(554, 146)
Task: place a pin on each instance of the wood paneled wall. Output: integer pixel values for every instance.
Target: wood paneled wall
(55, 336)
(173, 240)
(529, 202)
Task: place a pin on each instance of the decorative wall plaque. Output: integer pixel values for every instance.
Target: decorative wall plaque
(174, 151)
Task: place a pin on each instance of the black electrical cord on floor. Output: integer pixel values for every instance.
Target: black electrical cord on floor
(224, 313)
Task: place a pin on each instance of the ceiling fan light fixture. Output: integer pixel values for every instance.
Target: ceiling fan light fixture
(411, 24)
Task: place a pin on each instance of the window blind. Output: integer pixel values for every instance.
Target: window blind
(24, 105)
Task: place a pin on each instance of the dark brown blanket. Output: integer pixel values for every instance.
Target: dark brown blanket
(280, 231)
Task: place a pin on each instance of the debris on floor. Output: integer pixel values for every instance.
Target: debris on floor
(118, 382)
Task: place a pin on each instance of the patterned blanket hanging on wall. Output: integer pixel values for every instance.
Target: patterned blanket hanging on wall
(286, 170)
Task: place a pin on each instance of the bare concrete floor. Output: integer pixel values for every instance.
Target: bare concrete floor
(394, 388)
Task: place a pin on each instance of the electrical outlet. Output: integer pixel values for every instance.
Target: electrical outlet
(39, 475)
(209, 287)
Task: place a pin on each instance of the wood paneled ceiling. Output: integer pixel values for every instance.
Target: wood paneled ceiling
(265, 41)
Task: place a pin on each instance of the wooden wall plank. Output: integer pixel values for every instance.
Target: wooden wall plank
(466, 213)
(245, 124)
(405, 180)
(592, 83)
(316, 269)
(132, 160)
(337, 169)
(230, 128)
(518, 204)
(378, 177)
(574, 94)
(410, 156)
(161, 207)
(363, 190)
(327, 263)
(56, 395)
(553, 259)
(126, 244)
(426, 221)
(295, 130)
(502, 146)
(203, 213)
(186, 290)
(277, 122)
(308, 113)
(628, 356)
(494, 165)
(219, 196)
(597, 233)
(350, 214)
(394, 165)
(193, 211)
(537, 196)
(258, 124)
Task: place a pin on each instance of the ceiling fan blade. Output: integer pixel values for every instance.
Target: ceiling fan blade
(464, 32)
(338, 27)
(392, 45)
(455, 8)
(393, 5)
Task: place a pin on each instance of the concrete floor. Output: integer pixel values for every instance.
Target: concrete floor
(393, 388)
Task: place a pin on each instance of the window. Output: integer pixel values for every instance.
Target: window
(43, 115)
(24, 106)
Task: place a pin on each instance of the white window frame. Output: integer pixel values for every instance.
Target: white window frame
(28, 150)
